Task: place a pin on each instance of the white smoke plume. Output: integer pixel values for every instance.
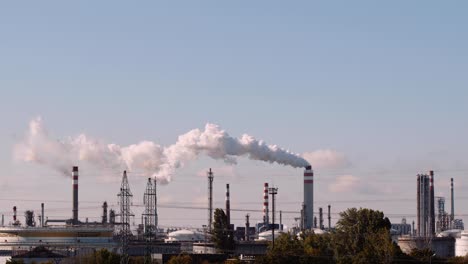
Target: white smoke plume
(146, 156)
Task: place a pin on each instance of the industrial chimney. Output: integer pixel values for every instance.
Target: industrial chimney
(210, 200)
(452, 199)
(104, 213)
(75, 195)
(329, 217)
(14, 214)
(309, 197)
(432, 223)
(266, 220)
(228, 207)
(42, 216)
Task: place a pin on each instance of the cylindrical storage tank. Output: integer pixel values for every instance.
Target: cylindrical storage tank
(461, 245)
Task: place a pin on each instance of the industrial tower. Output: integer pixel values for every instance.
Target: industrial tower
(125, 197)
(210, 200)
(150, 217)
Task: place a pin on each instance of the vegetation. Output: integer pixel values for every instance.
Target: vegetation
(361, 236)
(222, 236)
(181, 259)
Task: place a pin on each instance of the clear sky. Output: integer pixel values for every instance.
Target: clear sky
(381, 85)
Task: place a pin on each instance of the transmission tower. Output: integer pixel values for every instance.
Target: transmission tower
(149, 216)
(125, 197)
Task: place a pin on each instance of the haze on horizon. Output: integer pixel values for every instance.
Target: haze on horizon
(371, 94)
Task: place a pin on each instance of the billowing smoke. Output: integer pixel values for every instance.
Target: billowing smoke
(147, 157)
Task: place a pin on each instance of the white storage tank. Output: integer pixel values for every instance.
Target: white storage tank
(184, 236)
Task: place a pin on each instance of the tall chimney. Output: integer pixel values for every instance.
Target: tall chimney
(321, 218)
(418, 202)
(281, 221)
(75, 195)
(452, 203)
(329, 217)
(309, 197)
(104, 213)
(210, 200)
(228, 207)
(43, 216)
(14, 213)
(432, 209)
(247, 228)
(266, 221)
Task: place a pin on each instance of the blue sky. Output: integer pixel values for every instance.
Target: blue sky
(382, 83)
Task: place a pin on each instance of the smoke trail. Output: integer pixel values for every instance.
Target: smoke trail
(149, 157)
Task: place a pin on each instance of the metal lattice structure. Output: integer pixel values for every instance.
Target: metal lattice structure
(125, 197)
(150, 217)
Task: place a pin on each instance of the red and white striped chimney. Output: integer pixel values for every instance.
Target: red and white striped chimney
(265, 204)
(75, 194)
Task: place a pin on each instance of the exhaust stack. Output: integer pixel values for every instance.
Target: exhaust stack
(75, 195)
(432, 212)
(14, 214)
(452, 201)
(309, 197)
(266, 221)
(42, 216)
(228, 207)
(210, 200)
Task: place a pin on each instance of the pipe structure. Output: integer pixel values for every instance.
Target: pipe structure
(266, 219)
(228, 207)
(418, 201)
(210, 200)
(321, 218)
(104, 213)
(273, 191)
(329, 217)
(452, 201)
(14, 214)
(75, 194)
(309, 197)
(42, 216)
(247, 228)
(432, 203)
(281, 221)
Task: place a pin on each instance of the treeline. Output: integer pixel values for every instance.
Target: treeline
(360, 236)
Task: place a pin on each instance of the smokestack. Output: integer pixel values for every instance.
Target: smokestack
(43, 216)
(432, 210)
(266, 221)
(3, 220)
(281, 221)
(452, 199)
(228, 207)
(418, 201)
(329, 217)
(210, 199)
(247, 227)
(75, 195)
(14, 214)
(104, 213)
(308, 197)
(321, 217)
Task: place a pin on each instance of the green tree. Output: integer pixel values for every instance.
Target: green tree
(288, 249)
(363, 236)
(181, 259)
(222, 236)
